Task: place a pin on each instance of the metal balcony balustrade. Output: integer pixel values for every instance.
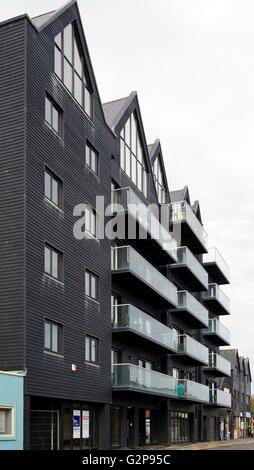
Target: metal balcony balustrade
(129, 377)
(126, 260)
(193, 233)
(126, 200)
(127, 318)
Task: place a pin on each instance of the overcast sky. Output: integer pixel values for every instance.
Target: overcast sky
(192, 64)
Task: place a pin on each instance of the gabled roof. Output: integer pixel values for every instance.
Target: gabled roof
(43, 21)
(155, 151)
(245, 365)
(114, 110)
(231, 355)
(40, 20)
(180, 195)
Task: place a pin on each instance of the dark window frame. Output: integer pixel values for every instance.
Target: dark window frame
(58, 109)
(60, 336)
(91, 338)
(91, 149)
(54, 177)
(60, 263)
(86, 92)
(94, 276)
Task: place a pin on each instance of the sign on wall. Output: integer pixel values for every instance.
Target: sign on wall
(85, 424)
(76, 424)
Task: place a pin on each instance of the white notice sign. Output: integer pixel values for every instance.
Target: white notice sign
(85, 424)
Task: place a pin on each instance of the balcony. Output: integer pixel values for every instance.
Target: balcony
(191, 310)
(189, 269)
(192, 351)
(131, 378)
(216, 267)
(137, 273)
(220, 398)
(216, 301)
(159, 242)
(218, 366)
(192, 233)
(129, 319)
(217, 332)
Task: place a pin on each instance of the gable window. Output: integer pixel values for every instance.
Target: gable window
(53, 115)
(159, 181)
(6, 421)
(92, 158)
(53, 188)
(53, 337)
(132, 155)
(53, 262)
(91, 285)
(91, 349)
(70, 67)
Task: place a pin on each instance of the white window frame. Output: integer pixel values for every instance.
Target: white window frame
(12, 408)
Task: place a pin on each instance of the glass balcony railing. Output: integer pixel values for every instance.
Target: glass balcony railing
(125, 258)
(132, 377)
(191, 347)
(220, 398)
(127, 199)
(214, 257)
(187, 302)
(219, 363)
(128, 317)
(216, 328)
(186, 258)
(214, 293)
(182, 212)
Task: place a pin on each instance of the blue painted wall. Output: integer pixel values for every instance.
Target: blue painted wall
(12, 394)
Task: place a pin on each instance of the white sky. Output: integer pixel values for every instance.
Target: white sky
(192, 63)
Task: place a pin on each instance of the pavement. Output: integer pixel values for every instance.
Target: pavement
(232, 444)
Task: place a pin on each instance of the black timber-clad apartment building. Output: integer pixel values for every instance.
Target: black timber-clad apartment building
(239, 385)
(119, 338)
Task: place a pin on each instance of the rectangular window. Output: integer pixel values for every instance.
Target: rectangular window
(53, 188)
(53, 262)
(92, 349)
(53, 115)
(91, 286)
(53, 337)
(90, 221)
(6, 421)
(92, 159)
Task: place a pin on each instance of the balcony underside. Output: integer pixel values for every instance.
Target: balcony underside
(188, 359)
(217, 405)
(213, 372)
(190, 239)
(188, 318)
(215, 274)
(215, 307)
(187, 276)
(135, 390)
(149, 245)
(136, 337)
(137, 285)
(217, 340)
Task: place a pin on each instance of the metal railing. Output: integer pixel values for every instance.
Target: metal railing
(214, 292)
(125, 258)
(131, 318)
(182, 212)
(186, 301)
(132, 377)
(214, 256)
(188, 345)
(127, 199)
